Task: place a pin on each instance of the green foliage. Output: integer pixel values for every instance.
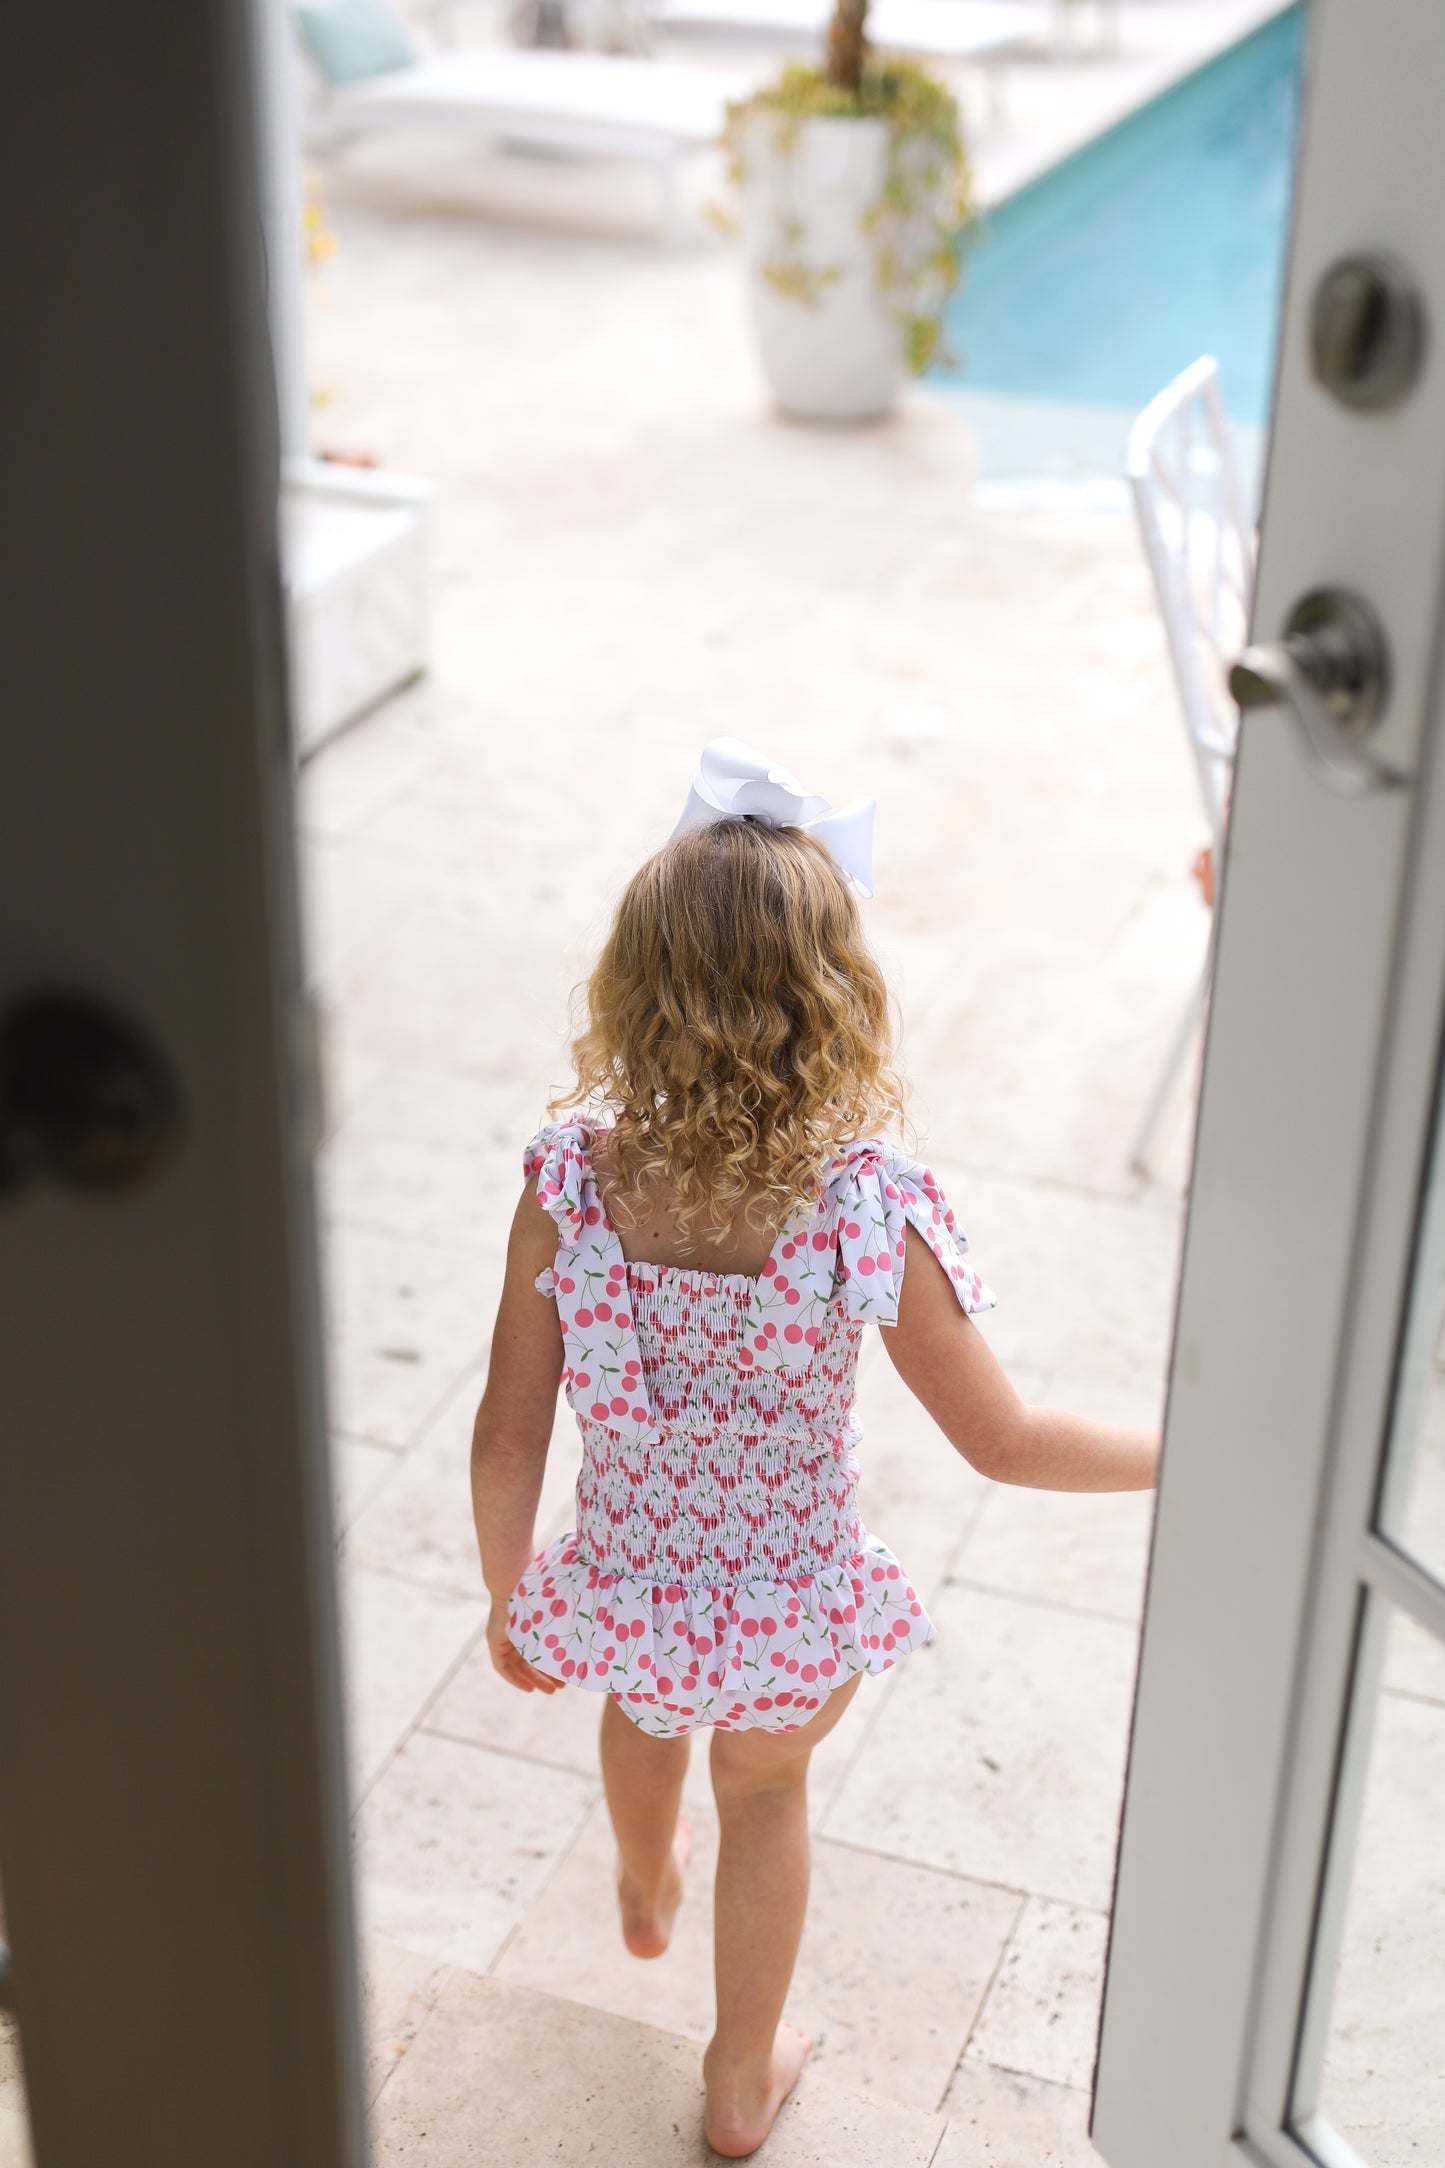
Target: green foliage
(894, 90)
(920, 222)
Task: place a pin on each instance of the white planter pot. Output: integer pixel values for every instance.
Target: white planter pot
(832, 341)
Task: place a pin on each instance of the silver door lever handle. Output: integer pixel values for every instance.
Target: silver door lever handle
(1330, 674)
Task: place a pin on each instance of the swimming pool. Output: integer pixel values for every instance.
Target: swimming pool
(1162, 240)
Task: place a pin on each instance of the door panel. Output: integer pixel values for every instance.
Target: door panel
(1313, 1124)
(172, 1810)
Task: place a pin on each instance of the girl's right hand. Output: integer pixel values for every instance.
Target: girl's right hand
(510, 1661)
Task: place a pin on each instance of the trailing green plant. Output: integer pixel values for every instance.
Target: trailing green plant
(919, 222)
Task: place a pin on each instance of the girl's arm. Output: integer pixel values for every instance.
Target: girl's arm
(514, 1428)
(946, 1363)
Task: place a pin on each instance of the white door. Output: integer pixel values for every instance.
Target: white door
(172, 1809)
(1276, 1988)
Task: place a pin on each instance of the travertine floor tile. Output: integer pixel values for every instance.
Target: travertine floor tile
(454, 987)
(1383, 2086)
(419, 1522)
(1041, 1068)
(358, 1468)
(399, 1644)
(502, 2077)
(1000, 1751)
(349, 895)
(480, 1707)
(1414, 1660)
(435, 1155)
(407, 1320)
(1085, 1286)
(1086, 1550)
(1042, 2012)
(359, 768)
(894, 1962)
(455, 1843)
(398, 1991)
(998, 2119)
(569, 1943)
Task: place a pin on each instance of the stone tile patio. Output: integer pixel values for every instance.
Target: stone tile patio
(633, 555)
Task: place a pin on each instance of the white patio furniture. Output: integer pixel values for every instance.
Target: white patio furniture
(982, 31)
(1200, 545)
(596, 105)
(1065, 22)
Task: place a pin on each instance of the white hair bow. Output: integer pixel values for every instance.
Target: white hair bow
(733, 782)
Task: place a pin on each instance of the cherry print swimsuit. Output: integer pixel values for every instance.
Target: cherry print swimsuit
(719, 1572)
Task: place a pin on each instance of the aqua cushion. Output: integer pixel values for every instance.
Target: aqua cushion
(351, 39)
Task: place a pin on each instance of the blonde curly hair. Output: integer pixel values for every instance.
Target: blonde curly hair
(737, 1029)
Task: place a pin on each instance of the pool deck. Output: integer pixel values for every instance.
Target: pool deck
(1051, 105)
(1160, 43)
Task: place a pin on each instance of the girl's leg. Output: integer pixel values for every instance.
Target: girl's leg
(642, 1778)
(761, 1783)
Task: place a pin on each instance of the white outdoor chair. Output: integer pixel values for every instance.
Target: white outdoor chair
(1200, 546)
(1065, 27)
(596, 105)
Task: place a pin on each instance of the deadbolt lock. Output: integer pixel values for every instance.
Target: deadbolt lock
(1367, 331)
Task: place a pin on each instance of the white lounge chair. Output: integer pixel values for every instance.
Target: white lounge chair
(983, 31)
(1201, 550)
(596, 105)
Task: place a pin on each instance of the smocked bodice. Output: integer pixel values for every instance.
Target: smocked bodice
(690, 1330)
(748, 1470)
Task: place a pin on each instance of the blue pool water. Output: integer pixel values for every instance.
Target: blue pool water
(1163, 240)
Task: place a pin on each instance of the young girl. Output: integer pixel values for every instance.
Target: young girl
(699, 1274)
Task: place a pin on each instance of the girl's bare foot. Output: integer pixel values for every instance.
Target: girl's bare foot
(647, 1928)
(742, 2104)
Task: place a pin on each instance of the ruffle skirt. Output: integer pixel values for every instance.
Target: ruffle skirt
(765, 1652)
